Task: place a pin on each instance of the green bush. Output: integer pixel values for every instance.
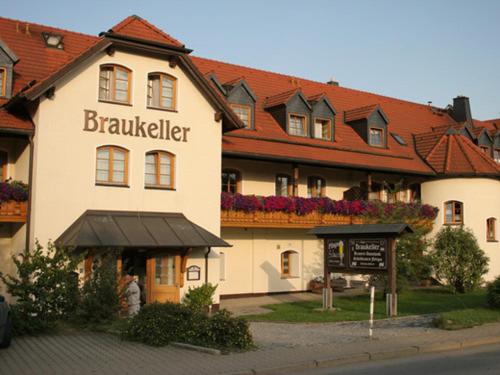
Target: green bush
(45, 288)
(200, 298)
(493, 294)
(227, 332)
(458, 260)
(100, 296)
(159, 324)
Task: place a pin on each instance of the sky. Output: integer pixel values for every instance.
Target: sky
(421, 50)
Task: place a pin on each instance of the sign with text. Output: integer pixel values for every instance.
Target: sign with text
(336, 253)
(368, 254)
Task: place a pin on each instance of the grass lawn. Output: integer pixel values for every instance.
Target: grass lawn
(457, 308)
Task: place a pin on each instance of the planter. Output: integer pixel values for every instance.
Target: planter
(278, 219)
(13, 211)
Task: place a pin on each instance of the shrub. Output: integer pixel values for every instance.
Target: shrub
(45, 288)
(159, 324)
(200, 298)
(228, 332)
(100, 295)
(458, 260)
(493, 293)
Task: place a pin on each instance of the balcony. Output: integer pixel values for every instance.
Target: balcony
(249, 211)
(13, 202)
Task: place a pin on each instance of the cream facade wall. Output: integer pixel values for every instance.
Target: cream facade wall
(253, 265)
(481, 200)
(259, 177)
(64, 185)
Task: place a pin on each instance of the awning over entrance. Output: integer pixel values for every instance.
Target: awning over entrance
(362, 229)
(128, 229)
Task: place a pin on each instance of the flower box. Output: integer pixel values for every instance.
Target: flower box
(13, 211)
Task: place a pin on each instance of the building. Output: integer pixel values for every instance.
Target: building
(124, 138)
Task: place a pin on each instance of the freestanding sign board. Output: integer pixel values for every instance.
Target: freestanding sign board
(360, 249)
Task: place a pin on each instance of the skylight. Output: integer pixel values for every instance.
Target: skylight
(53, 40)
(398, 139)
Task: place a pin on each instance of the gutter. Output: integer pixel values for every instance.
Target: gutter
(206, 264)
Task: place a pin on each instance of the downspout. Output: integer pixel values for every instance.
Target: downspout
(30, 193)
(206, 264)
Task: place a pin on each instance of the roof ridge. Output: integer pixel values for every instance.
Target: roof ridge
(461, 146)
(447, 161)
(50, 27)
(317, 82)
(438, 143)
(157, 30)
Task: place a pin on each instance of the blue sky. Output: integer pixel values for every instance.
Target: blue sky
(419, 51)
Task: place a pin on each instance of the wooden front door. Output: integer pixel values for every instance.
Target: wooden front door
(163, 278)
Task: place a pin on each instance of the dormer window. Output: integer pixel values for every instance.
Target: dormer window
(53, 40)
(162, 91)
(322, 129)
(297, 125)
(244, 112)
(377, 137)
(114, 84)
(496, 155)
(3, 81)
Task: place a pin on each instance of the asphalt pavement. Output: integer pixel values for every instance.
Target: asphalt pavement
(483, 360)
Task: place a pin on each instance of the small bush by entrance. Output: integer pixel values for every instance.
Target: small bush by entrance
(159, 324)
(200, 298)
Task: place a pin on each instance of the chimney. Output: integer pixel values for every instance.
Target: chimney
(461, 110)
(333, 82)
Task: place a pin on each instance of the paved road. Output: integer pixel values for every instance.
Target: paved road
(483, 360)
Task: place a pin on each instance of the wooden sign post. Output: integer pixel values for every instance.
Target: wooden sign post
(360, 249)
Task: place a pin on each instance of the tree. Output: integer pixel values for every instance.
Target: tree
(458, 260)
(45, 287)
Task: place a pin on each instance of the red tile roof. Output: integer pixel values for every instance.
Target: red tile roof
(280, 98)
(37, 63)
(359, 113)
(455, 154)
(138, 27)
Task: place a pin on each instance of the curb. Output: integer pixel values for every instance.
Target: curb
(332, 362)
(196, 348)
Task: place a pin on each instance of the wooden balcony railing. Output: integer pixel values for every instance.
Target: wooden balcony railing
(13, 212)
(262, 219)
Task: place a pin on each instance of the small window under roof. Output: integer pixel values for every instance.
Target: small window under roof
(398, 139)
(53, 40)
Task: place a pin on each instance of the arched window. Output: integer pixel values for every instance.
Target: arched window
(160, 168)
(162, 91)
(290, 264)
(114, 83)
(491, 230)
(316, 187)
(231, 181)
(112, 165)
(3, 81)
(284, 185)
(4, 160)
(453, 213)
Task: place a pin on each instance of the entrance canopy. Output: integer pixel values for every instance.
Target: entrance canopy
(131, 229)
